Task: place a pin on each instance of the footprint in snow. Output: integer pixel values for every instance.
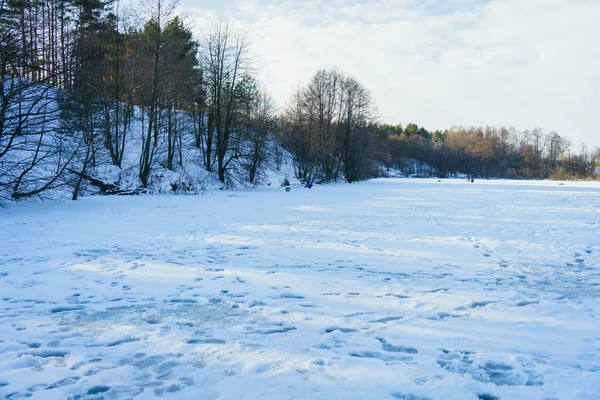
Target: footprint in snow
(368, 354)
(339, 328)
(398, 296)
(62, 309)
(272, 331)
(424, 380)
(479, 304)
(442, 315)
(387, 319)
(187, 381)
(405, 396)
(396, 349)
(136, 266)
(291, 295)
(48, 353)
(257, 303)
(64, 382)
(438, 290)
(524, 303)
(261, 368)
(487, 396)
(203, 341)
(99, 389)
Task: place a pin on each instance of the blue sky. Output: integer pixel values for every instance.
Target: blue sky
(521, 63)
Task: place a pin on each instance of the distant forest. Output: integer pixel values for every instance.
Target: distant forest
(85, 80)
(330, 126)
(491, 152)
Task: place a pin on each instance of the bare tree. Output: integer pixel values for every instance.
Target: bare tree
(225, 62)
(259, 125)
(297, 136)
(328, 127)
(356, 124)
(556, 146)
(117, 113)
(32, 152)
(323, 101)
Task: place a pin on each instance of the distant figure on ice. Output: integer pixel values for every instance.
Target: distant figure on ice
(308, 183)
(472, 180)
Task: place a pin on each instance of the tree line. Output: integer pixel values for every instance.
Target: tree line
(90, 84)
(330, 127)
(83, 78)
(490, 152)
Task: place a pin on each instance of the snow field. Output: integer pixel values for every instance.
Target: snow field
(388, 289)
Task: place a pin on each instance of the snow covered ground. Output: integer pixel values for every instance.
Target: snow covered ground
(388, 289)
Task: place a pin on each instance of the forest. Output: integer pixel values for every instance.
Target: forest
(90, 86)
(491, 152)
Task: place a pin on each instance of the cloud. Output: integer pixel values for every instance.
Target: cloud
(523, 63)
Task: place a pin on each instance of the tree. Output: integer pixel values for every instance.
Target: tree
(358, 129)
(329, 127)
(259, 126)
(82, 111)
(117, 115)
(152, 81)
(181, 63)
(411, 129)
(556, 147)
(296, 136)
(32, 157)
(225, 63)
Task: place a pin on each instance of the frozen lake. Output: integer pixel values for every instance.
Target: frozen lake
(388, 289)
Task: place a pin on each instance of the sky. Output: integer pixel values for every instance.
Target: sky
(519, 63)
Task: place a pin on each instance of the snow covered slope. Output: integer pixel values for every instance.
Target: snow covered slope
(388, 289)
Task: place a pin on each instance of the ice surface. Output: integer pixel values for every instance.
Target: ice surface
(388, 289)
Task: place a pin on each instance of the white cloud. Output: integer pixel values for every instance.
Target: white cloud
(523, 63)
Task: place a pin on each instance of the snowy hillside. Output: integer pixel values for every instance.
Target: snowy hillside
(48, 156)
(387, 289)
(191, 176)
